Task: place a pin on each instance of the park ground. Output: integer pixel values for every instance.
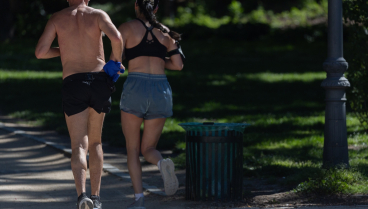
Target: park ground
(262, 67)
(35, 175)
(272, 84)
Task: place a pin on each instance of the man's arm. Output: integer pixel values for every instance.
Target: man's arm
(114, 35)
(123, 28)
(43, 48)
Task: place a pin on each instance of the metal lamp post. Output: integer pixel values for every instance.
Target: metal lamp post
(335, 150)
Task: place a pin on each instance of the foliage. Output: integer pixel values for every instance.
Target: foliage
(356, 15)
(200, 17)
(295, 17)
(31, 23)
(330, 181)
(194, 13)
(236, 11)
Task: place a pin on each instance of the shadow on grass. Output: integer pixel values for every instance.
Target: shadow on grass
(40, 100)
(214, 85)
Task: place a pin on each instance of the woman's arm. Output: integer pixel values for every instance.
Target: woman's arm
(174, 62)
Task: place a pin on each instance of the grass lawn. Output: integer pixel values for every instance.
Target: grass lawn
(274, 87)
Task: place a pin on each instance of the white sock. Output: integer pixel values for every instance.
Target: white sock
(159, 165)
(137, 196)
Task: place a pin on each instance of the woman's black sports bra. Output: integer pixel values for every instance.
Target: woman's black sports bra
(150, 48)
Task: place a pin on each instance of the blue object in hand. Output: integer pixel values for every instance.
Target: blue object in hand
(112, 68)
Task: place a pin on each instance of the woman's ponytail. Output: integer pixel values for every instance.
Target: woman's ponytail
(147, 7)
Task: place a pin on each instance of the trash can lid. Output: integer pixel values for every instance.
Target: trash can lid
(214, 126)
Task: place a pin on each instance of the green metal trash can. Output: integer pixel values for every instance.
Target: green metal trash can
(214, 160)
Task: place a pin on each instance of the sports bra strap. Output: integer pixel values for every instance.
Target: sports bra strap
(148, 28)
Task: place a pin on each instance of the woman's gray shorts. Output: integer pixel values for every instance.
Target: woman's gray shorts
(147, 96)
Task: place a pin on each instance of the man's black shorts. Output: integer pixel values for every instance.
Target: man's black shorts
(83, 90)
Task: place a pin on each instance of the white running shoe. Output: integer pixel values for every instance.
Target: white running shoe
(84, 202)
(171, 182)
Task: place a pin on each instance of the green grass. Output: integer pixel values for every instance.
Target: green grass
(28, 75)
(274, 87)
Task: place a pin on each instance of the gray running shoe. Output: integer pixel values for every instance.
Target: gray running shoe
(96, 202)
(171, 182)
(84, 202)
(139, 204)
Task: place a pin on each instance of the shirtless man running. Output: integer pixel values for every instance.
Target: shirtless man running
(86, 88)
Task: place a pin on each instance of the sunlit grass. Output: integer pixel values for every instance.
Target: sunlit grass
(220, 80)
(283, 104)
(285, 77)
(23, 75)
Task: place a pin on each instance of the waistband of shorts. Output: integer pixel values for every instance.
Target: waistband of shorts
(102, 76)
(147, 76)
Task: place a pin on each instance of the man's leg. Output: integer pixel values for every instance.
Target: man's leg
(95, 123)
(131, 126)
(78, 126)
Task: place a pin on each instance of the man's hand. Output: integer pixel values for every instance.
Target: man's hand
(114, 69)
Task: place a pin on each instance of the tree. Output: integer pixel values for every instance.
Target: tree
(356, 15)
(6, 30)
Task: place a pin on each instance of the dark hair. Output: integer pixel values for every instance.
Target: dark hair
(147, 7)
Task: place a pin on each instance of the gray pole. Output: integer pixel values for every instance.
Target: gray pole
(335, 151)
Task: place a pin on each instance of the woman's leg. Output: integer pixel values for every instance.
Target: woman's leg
(151, 134)
(131, 125)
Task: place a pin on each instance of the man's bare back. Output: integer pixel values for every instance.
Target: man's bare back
(80, 39)
(79, 32)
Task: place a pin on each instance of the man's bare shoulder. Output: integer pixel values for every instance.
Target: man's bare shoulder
(97, 12)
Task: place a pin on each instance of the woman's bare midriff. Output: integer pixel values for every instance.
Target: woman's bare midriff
(149, 65)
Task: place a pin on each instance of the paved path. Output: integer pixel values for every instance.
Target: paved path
(34, 175)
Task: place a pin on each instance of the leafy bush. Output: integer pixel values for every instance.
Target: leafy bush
(331, 181)
(356, 15)
(195, 13)
(305, 16)
(309, 13)
(31, 23)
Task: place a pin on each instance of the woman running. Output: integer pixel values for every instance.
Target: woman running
(149, 47)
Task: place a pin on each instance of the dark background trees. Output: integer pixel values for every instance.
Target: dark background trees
(22, 18)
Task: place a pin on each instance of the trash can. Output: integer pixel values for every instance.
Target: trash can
(214, 160)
